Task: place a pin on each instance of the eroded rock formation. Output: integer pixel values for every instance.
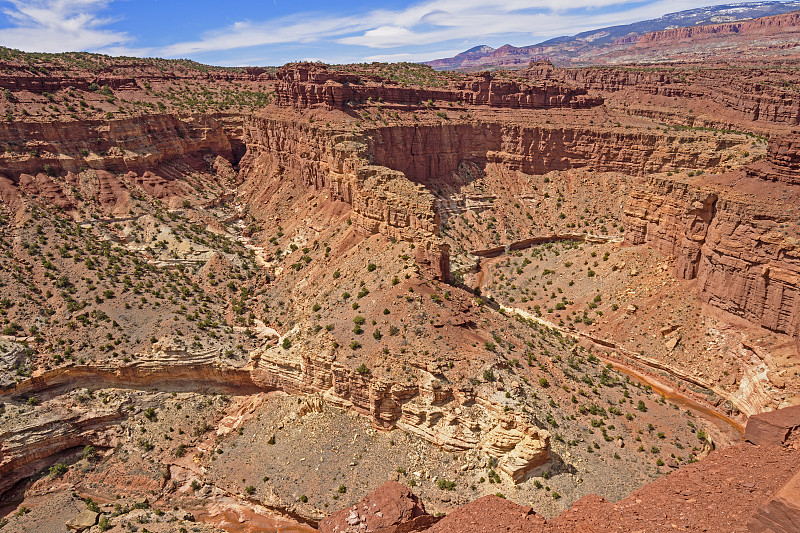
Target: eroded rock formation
(390, 508)
(742, 251)
(383, 200)
(308, 85)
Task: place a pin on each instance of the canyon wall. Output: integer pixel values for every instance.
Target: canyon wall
(753, 95)
(782, 162)
(454, 418)
(743, 251)
(432, 153)
(307, 85)
(132, 144)
(788, 22)
(319, 158)
(384, 173)
(19, 78)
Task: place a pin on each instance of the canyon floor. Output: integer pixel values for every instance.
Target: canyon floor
(243, 299)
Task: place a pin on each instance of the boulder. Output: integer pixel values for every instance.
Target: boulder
(773, 427)
(391, 508)
(82, 521)
(781, 514)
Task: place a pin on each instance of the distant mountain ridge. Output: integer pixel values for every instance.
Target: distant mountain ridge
(605, 45)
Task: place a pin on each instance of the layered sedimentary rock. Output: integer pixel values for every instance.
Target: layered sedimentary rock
(25, 450)
(773, 427)
(383, 172)
(783, 160)
(130, 144)
(307, 85)
(431, 154)
(519, 447)
(753, 95)
(383, 200)
(744, 252)
(455, 420)
(763, 26)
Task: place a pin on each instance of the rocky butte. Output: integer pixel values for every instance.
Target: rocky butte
(245, 299)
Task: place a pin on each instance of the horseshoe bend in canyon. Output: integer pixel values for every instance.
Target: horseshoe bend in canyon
(498, 293)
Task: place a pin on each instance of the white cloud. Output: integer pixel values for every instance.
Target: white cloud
(295, 29)
(432, 22)
(413, 56)
(58, 25)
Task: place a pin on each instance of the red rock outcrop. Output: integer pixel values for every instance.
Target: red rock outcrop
(383, 200)
(781, 513)
(754, 95)
(490, 514)
(739, 248)
(131, 144)
(763, 26)
(41, 185)
(431, 154)
(391, 508)
(307, 85)
(783, 160)
(381, 171)
(773, 427)
(722, 493)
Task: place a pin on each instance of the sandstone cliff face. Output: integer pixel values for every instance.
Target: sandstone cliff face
(25, 450)
(613, 79)
(306, 85)
(132, 144)
(743, 252)
(764, 25)
(782, 162)
(431, 154)
(383, 172)
(383, 200)
(753, 94)
(453, 419)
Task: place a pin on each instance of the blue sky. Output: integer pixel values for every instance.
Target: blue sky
(274, 32)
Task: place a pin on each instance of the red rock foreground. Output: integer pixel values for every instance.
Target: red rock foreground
(752, 486)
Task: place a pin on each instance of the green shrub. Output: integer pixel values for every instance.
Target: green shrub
(446, 484)
(58, 469)
(89, 452)
(104, 524)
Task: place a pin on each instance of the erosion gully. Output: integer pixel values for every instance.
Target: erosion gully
(729, 427)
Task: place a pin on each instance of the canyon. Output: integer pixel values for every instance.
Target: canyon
(247, 312)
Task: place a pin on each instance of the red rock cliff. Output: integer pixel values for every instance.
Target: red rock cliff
(307, 85)
(743, 251)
